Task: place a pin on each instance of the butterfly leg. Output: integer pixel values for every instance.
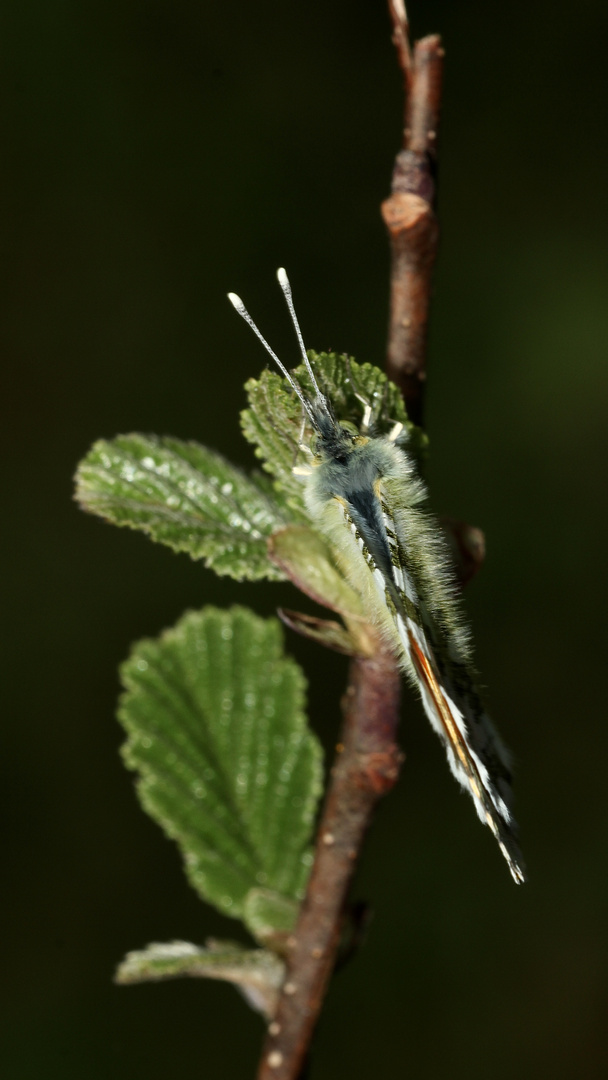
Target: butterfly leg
(301, 445)
(302, 470)
(367, 414)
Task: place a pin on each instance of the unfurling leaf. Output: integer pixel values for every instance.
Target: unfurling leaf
(227, 764)
(270, 917)
(257, 973)
(185, 496)
(307, 559)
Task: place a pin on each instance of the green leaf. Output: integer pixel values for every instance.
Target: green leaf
(227, 765)
(184, 496)
(273, 421)
(257, 973)
(307, 559)
(270, 917)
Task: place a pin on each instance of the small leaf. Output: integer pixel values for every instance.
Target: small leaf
(227, 764)
(306, 558)
(184, 496)
(274, 422)
(270, 917)
(257, 973)
(326, 632)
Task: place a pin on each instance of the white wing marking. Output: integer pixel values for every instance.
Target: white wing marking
(446, 717)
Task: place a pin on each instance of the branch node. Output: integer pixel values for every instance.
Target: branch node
(409, 217)
(403, 211)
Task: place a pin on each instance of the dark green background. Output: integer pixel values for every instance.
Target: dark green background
(154, 155)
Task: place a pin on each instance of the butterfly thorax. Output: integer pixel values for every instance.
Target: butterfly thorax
(349, 472)
(349, 463)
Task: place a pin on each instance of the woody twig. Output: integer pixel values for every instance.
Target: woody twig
(366, 767)
(368, 760)
(408, 212)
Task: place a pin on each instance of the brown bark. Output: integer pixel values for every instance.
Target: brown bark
(409, 213)
(366, 767)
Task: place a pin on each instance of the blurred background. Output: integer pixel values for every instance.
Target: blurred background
(154, 155)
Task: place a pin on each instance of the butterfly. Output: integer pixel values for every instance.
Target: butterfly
(363, 493)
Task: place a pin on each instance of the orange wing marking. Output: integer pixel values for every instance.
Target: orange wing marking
(427, 676)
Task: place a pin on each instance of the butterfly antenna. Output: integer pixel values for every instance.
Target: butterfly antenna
(286, 287)
(239, 306)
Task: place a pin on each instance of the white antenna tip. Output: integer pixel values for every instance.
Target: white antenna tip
(282, 277)
(236, 302)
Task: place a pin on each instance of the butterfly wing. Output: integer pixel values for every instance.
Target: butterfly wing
(434, 656)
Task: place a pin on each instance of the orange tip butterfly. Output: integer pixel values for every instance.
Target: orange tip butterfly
(363, 493)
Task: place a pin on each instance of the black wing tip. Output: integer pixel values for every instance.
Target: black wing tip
(518, 873)
(512, 854)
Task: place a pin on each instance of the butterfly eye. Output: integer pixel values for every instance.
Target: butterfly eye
(349, 431)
